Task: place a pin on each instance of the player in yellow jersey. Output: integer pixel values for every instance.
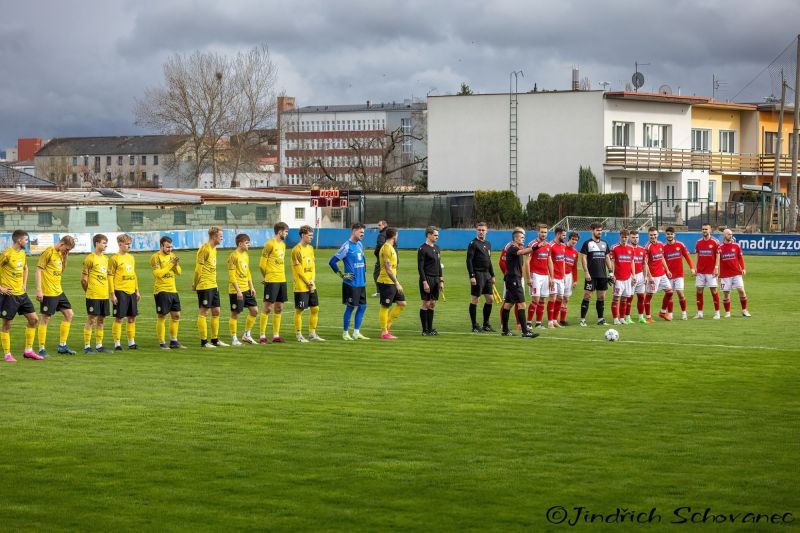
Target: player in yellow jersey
(389, 288)
(241, 292)
(165, 267)
(305, 287)
(275, 292)
(205, 284)
(94, 280)
(49, 293)
(13, 298)
(124, 288)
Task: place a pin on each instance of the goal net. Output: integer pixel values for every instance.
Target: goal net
(609, 223)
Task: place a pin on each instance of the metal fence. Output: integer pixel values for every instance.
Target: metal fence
(446, 210)
(746, 216)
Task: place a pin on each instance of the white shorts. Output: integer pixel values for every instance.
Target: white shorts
(567, 286)
(623, 288)
(558, 287)
(705, 280)
(540, 286)
(658, 283)
(637, 281)
(728, 284)
(677, 284)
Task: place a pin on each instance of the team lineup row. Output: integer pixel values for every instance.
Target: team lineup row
(111, 284)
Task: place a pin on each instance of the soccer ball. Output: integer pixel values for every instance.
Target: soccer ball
(612, 335)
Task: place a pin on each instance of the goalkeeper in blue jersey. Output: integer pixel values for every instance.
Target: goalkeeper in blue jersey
(354, 281)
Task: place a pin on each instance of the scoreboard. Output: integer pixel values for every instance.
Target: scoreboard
(329, 198)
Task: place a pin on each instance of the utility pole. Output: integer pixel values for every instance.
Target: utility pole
(795, 146)
(776, 174)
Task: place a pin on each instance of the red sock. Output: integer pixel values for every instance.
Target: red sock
(665, 301)
(647, 299)
(556, 309)
(640, 299)
(551, 305)
(670, 305)
(715, 296)
(628, 306)
(563, 317)
(727, 304)
(699, 301)
(540, 311)
(683, 304)
(531, 310)
(615, 308)
(743, 301)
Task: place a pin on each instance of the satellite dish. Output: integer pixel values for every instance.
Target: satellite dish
(637, 79)
(665, 89)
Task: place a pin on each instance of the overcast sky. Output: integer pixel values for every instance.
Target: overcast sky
(73, 68)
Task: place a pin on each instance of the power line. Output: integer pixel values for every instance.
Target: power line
(790, 45)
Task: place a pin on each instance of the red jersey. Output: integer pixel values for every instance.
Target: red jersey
(675, 254)
(571, 261)
(539, 257)
(623, 261)
(706, 250)
(639, 254)
(731, 260)
(655, 254)
(557, 255)
(502, 261)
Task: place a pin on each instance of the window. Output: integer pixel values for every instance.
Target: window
(86, 160)
(299, 213)
(712, 191)
(700, 140)
(647, 191)
(119, 160)
(405, 127)
(770, 142)
(726, 141)
(622, 133)
(108, 160)
(97, 164)
(144, 176)
(156, 180)
(261, 212)
(656, 136)
(132, 160)
(144, 159)
(45, 219)
(221, 213)
(74, 161)
(155, 159)
(693, 190)
(108, 176)
(2, 219)
(137, 217)
(132, 175)
(74, 177)
(179, 218)
(92, 218)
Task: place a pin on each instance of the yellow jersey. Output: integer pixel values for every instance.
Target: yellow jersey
(96, 268)
(239, 271)
(122, 273)
(205, 268)
(271, 263)
(51, 263)
(303, 267)
(12, 268)
(388, 253)
(164, 272)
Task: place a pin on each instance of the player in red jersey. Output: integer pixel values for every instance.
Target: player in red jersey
(639, 254)
(540, 276)
(570, 274)
(621, 267)
(656, 275)
(557, 249)
(731, 272)
(707, 250)
(675, 252)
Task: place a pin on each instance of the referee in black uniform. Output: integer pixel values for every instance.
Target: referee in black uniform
(481, 277)
(382, 225)
(429, 265)
(515, 289)
(593, 259)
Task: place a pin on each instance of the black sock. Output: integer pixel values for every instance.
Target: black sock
(521, 318)
(584, 308)
(487, 313)
(422, 315)
(473, 314)
(600, 305)
(430, 319)
(504, 314)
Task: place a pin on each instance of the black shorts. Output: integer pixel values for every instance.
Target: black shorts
(306, 300)
(11, 305)
(434, 286)
(208, 298)
(98, 307)
(595, 284)
(275, 291)
(53, 304)
(127, 305)
(389, 294)
(237, 306)
(353, 295)
(515, 292)
(167, 302)
(483, 284)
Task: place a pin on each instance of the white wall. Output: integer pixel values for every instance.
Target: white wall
(288, 213)
(678, 116)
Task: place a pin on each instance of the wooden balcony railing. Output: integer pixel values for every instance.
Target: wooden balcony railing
(637, 158)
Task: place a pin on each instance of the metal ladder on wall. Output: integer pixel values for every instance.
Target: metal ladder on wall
(512, 129)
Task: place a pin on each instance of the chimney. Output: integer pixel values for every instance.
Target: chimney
(575, 77)
(368, 104)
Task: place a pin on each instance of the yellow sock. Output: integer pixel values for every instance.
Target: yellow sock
(173, 329)
(30, 335)
(263, 319)
(130, 332)
(313, 319)
(42, 334)
(396, 312)
(63, 332)
(249, 322)
(215, 327)
(276, 325)
(87, 336)
(161, 329)
(383, 319)
(116, 332)
(202, 328)
(298, 321)
(5, 340)
(232, 324)
(99, 333)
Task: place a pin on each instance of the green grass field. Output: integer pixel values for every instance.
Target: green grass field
(457, 432)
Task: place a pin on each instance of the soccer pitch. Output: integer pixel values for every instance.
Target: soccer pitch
(455, 432)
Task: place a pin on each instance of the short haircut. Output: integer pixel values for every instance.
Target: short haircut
(214, 230)
(18, 234)
(430, 230)
(558, 229)
(390, 233)
(595, 225)
(633, 232)
(652, 228)
(517, 232)
(623, 232)
(306, 229)
(383, 222)
(98, 238)
(669, 230)
(164, 239)
(542, 226)
(481, 225)
(575, 235)
(280, 226)
(242, 237)
(124, 238)
(68, 240)
(357, 225)
(706, 224)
